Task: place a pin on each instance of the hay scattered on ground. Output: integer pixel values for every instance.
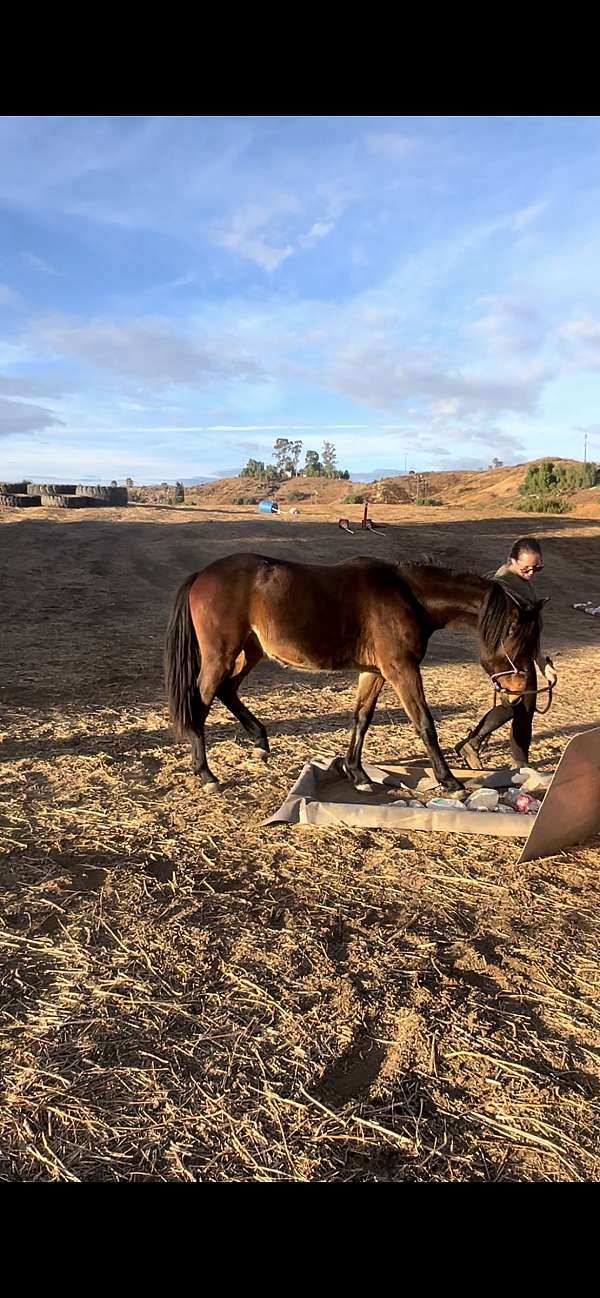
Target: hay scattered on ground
(188, 996)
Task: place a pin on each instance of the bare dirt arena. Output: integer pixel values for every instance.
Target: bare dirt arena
(186, 995)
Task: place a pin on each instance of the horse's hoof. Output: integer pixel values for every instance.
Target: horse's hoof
(210, 786)
(457, 795)
(454, 789)
(260, 754)
(362, 786)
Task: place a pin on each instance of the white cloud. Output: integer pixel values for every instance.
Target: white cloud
(320, 230)
(581, 338)
(527, 215)
(22, 417)
(33, 262)
(254, 232)
(282, 428)
(383, 376)
(8, 296)
(147, 351)
(248, 233)
(391, 144)
(512, 326)
(16, 386)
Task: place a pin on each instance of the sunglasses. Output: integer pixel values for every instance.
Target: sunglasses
(537, 567)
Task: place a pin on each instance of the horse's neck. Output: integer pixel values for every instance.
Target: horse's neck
(452, 600)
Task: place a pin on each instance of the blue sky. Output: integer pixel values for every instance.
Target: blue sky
(177, 292)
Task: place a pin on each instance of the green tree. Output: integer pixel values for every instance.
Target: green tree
(179, 493)
(312, 465)
(253, 469)
(570, 477)
(295, 454)
(540, 478)
(287, 456)
(329, 459)
(282, 452)
(129, 482)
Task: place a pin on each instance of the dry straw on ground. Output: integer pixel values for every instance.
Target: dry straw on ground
(188, 996)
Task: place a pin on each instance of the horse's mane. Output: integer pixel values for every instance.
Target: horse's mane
(495, 608)
(494, 614)
(428, 566)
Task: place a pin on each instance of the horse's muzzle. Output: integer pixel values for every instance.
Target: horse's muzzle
(510, 685)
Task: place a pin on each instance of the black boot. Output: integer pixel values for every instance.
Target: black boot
(468, 750)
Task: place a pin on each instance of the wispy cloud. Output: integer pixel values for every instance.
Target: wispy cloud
(255, 233)
(391, 144)
(252, 234)
(33, 262)
(8, 296)
(149, 351)
(581, 339)
(318, 231)
(512, 326)
(527, 215)
(384, 377)
(34, 385)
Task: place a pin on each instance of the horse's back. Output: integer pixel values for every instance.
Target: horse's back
(327, 616)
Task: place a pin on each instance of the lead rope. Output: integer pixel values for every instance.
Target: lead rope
(546, 689)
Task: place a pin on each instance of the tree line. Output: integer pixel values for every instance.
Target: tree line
(547, 486)
(286, 463)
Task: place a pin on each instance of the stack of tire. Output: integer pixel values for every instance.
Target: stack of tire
(51, 493)
(19, 495)
(103, 495)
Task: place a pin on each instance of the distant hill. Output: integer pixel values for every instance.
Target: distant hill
(375, 477)
(494, 489)
(197, 482)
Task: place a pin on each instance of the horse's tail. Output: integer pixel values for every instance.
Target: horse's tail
(182, 662)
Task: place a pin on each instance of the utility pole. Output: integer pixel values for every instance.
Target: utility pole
(405, 464)
(585, 448)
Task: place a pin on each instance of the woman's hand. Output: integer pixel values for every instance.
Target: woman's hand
(550, 673)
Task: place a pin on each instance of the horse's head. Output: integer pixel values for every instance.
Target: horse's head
(509, 638)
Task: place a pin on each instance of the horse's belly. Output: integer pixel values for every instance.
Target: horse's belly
(287, 655)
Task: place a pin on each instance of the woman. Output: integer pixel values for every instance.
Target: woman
(524, 561)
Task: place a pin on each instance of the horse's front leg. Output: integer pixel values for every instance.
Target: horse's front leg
(405, 678)
(370, 685)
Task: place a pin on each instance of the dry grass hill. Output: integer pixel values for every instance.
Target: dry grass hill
(494, 490)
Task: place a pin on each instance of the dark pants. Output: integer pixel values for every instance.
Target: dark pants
(519, 714)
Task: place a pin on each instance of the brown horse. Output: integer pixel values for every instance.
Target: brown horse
(374, 617)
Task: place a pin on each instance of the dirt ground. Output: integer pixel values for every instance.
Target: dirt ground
(186, 995)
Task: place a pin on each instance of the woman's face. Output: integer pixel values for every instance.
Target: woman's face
(528, 563)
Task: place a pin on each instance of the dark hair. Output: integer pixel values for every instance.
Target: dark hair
(525, 543)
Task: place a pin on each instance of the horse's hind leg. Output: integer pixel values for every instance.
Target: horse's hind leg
(228, 694)
(405, 678)
(370, 685)
(212, 672)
